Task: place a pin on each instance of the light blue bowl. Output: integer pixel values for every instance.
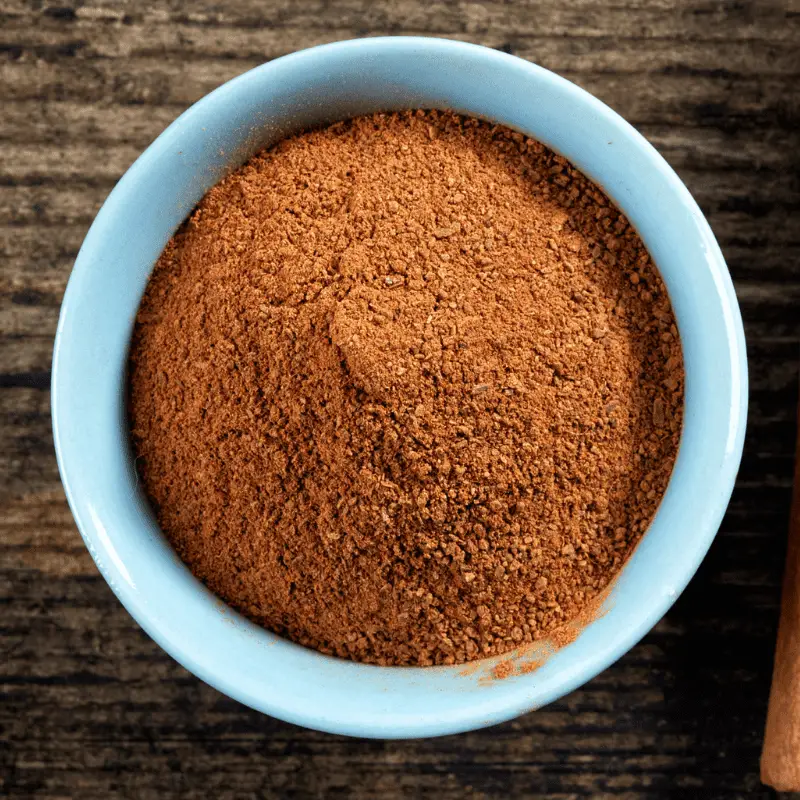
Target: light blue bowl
(321, 85)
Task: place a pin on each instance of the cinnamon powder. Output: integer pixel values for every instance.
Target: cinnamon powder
(407, 390)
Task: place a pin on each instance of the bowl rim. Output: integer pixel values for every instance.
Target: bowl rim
(521, 694)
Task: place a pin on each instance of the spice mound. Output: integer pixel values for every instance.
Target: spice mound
(406, 390)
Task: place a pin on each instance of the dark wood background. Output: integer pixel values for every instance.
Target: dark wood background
(91, 707)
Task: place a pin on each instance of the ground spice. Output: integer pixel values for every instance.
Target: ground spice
(406, 390)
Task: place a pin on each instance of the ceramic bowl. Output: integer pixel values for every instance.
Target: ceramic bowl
(322, 85)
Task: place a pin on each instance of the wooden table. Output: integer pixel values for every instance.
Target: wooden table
(92, 708)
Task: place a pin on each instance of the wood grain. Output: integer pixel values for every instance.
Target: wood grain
(92, 708)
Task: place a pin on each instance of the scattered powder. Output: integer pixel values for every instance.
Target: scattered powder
(511, 667)
(505, 669)
(406, 390)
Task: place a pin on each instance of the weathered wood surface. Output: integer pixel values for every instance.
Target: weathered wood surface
(92, 708)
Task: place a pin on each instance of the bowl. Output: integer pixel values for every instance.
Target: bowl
(218, 133)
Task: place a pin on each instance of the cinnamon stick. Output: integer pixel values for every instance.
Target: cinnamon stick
(780, 758)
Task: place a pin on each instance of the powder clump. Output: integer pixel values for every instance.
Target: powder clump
(406, 390)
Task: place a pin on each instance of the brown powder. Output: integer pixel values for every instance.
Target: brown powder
(406, 390)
